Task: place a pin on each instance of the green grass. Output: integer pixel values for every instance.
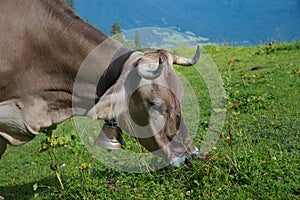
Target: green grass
(263, 163)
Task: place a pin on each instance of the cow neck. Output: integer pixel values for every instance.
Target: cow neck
(113, 71)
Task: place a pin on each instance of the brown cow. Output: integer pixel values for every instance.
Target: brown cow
(54, 66)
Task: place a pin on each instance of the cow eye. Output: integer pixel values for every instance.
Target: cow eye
(156, 106)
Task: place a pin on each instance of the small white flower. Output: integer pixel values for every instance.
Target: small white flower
(63, 165)
(274, 158)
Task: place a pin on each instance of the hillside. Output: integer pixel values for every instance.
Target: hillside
(236, 22)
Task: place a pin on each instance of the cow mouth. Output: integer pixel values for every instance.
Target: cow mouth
(185, 157)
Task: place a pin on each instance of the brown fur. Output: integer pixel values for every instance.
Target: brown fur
(43, 45)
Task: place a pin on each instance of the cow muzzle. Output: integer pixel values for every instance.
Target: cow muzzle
(183, 158)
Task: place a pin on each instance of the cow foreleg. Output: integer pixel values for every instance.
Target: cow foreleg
(3, 144)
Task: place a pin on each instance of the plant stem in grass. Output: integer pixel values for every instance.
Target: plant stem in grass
(230, 128)
(55, 168)
(231, 106)
(48, 145)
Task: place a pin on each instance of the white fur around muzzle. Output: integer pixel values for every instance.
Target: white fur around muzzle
(179, 161)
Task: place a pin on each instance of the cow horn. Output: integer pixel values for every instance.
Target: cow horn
(150, 74)
(187, 61)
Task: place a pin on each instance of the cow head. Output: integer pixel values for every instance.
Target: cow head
(146, 101)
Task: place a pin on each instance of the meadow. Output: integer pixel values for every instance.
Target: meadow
(256, 156)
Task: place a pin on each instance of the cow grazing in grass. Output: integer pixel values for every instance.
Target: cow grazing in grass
(43, 45)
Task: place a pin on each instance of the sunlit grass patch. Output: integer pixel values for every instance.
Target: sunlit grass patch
(262, 85)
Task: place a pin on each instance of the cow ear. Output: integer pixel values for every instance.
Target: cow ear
(110, 105)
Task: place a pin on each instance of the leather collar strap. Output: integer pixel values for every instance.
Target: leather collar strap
(113, 71)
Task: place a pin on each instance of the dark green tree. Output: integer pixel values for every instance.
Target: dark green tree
(115, 32)
(137, 40)
(70, 3)
(88, 21)
(115, 29)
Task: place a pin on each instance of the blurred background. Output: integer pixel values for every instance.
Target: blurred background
(232, 22)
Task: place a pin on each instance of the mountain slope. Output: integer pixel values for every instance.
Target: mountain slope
(234, 21)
